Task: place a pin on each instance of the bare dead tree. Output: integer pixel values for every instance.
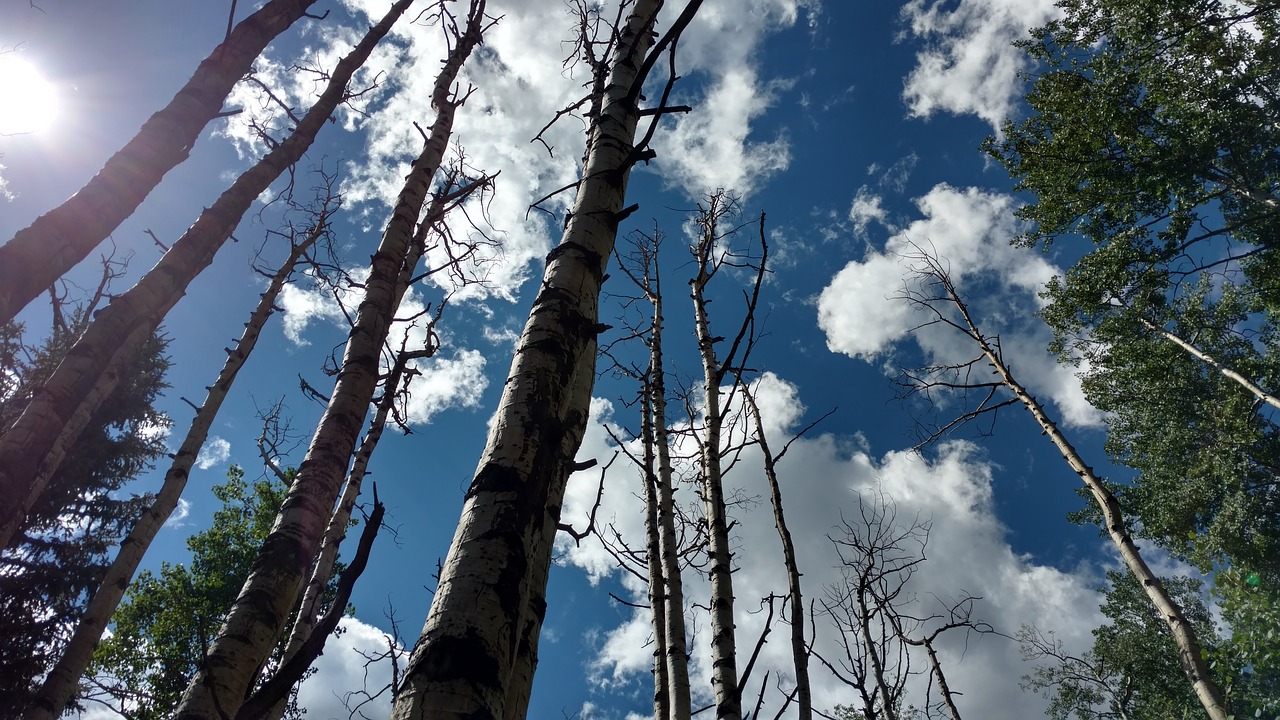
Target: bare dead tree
(60, 683)
(935, 295)
(269, 595)
(872, 609)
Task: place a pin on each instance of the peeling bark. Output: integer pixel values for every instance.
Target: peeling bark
(40, 253)
(61, 682)
(475, 656)
(32, 450)
(257, 618)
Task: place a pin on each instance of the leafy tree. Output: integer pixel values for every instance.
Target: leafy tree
(1154, 135)
(1126, 674)
(63, 546)
(165, 626)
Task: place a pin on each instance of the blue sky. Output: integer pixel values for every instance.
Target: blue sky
(855, 126)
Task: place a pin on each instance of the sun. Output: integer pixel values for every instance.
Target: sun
(28, 102)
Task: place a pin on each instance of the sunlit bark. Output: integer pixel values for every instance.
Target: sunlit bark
(40, 253)
(32, 450)
(724, 663)
(476, 651)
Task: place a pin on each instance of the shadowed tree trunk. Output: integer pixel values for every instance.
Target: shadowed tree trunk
(257, 618)
(32, 449)
(475, 656)
(58, 240)
(61, 682)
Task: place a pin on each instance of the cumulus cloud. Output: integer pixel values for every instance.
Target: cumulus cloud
(969, 65)
(864, 315)
(822, 478)
(446, 383)
(216, 451)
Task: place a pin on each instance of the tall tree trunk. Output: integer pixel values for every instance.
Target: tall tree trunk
(653, 556)
(40, 253)
(492, 590)
(799, 650)
(31, 450)
(677, 658)
(326, 558)
(1244, 382)
(61, 682)
(1184, 635)
(257, 617)
(724, 664)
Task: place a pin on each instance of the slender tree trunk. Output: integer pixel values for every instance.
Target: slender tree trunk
(304, 624)
(724, 664)
(653, 557)
(58, 240)
(1207, 359)
(799, 650)
(327, 557)
(1184, 635)
(33, 448)
(677, 657)
(61, 682)
(256, 619)
(492, 590)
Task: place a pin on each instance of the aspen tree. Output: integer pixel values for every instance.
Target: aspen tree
(60, 683)
(40, 253)
(477, 650)
(32, 449)
(257, 618)
(939, 289)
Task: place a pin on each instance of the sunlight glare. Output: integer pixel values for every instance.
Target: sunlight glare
(28, 102)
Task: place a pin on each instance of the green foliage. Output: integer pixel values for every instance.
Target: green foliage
(1132, 670)
(168, 620)
(48, 574)
(1155, 137)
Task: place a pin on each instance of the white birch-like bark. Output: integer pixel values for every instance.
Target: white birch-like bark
(677, 655)
(33, 448)
(653, 556)
(475, 656)
(1184, 635)
(327, 557)
(256, 619)
(40, 253)
(1207, 359)
(799, 650)
(61, 682)
(724, 663)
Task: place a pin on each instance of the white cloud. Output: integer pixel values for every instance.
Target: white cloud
(867, 208)
(216, 450)
(864, 315)
(969, 65)
(968, 551)
(179, 515)
(445, 383)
